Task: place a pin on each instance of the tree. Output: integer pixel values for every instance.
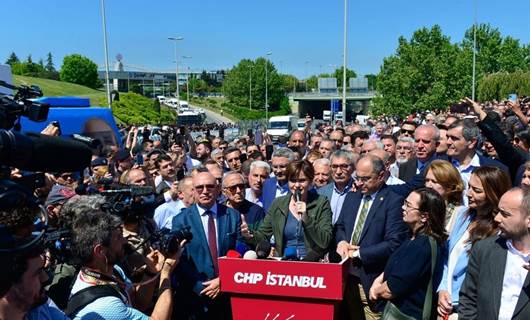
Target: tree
(339, 75)
(372, 81)
(81, 70)
(237, 82)
(494, 53)
(423, 74)
(12, 59)
(50, 67)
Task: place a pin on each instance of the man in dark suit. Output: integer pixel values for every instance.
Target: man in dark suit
(462, 140)
(426, 140)
(277, 186)
(370, 227)
(215, 229)
(166, 189)
(497, 284)
(342, 167)
(234, 190)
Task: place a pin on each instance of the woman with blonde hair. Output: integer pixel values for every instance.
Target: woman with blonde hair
(443, 177)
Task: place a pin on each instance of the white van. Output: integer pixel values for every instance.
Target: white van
(326, 115)
(279, 126)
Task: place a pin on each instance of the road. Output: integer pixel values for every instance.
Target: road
(212, 117)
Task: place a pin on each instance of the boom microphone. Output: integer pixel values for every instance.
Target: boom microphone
(232, 254)
(242, 248)
(250, 255)
(290, 254)
(38, 152)
(263, 249)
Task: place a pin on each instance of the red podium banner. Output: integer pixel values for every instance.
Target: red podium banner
(282, 290)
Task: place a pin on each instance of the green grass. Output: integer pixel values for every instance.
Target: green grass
(61, 88)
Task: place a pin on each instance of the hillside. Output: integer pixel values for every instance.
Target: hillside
(60, 88)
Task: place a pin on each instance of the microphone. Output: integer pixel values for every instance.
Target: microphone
(233, 254)
(290, 254)
(242, 248)
(297, 195)
(250, 255)
(263, 249)
(37, 152)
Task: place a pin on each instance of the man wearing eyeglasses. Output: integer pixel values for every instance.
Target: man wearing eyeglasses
(369, 228)
(277, 186)
(342, 167)
(234, 190)
(216, 229)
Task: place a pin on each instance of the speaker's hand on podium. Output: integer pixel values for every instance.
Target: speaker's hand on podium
(212, 288)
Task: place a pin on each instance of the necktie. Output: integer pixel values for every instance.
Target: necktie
(212, 241)
(356, 235)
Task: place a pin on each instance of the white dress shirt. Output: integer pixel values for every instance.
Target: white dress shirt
(204, 220)
(514, 277)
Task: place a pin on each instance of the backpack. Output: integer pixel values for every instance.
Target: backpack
(86, 296)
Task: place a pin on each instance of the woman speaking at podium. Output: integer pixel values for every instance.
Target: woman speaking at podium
(299, 221)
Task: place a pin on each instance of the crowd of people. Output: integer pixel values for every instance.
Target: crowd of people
(433, 210)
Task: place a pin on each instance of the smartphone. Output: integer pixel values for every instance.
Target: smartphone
(269, 149)
(512, 97)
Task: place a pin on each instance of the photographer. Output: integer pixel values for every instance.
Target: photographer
(22, 271)
(99, 244)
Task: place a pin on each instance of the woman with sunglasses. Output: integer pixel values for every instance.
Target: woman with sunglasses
(299, 221)
(414, 270)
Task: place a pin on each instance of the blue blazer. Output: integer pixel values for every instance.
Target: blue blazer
(326, 191)
(459, 273)
(196, 264)
(485, 161)
(269, 193)
(383, 231)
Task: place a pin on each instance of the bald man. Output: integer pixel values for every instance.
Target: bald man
(216, 229)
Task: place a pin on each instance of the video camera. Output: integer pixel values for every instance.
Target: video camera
(127, 201)
(13, 107)
(168, 241)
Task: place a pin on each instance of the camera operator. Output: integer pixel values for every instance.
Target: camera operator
(22, 271)
(99, 244)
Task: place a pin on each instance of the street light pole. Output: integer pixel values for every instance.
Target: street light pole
(266, 87)
(187, 80)
(307, 74)
(474, 51)
(344, 61)
(106, 49)
(177, 93)
(250, 88)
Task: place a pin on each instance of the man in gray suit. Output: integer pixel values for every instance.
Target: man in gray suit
(497, 284)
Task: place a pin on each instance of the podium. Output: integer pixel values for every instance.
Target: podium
(283, 290)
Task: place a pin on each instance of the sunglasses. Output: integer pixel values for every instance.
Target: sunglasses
(343, 166)
(403, 131)
(209, 187)
(234, 188)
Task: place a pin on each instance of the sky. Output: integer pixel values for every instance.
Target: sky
(304, 37)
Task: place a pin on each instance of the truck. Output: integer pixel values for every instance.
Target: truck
(281, 126)
(74, 115)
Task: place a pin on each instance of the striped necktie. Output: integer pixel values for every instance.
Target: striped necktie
(356, 235)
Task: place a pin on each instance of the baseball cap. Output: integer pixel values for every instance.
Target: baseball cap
(58, 195)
